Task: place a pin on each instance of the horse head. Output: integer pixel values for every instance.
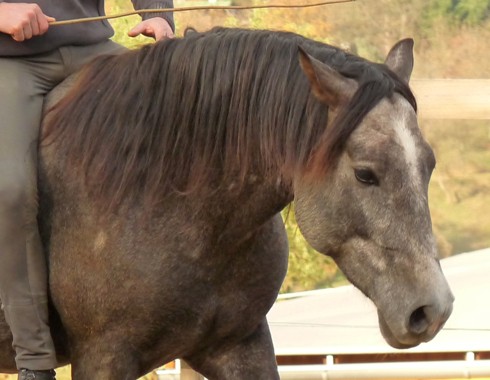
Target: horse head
(370, 211)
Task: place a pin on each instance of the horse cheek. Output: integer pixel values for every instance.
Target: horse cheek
(317, 220)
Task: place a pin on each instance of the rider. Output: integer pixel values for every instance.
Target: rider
(35, 57)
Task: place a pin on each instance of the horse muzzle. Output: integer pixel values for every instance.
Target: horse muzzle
(421, 325)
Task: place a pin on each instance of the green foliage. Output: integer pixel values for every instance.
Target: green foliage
(472, 12)
(467, 12)
(307, 268)
(318, 27)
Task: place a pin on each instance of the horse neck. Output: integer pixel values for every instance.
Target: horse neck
(237, 214)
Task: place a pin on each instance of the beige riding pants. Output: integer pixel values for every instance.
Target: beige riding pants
(24, 82)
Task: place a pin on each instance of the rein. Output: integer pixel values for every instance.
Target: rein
(184, 9)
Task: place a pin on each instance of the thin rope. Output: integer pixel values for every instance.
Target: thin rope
(185, 9)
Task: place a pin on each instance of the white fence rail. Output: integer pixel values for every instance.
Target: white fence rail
(452, 98)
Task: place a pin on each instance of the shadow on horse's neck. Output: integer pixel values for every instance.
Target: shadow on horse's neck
(244, 212)
(237, 211)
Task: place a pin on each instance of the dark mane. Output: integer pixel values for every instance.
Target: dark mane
(185, 114)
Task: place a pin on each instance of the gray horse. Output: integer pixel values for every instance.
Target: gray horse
(161, 190)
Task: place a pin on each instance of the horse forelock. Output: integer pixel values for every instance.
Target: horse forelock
(188, 114)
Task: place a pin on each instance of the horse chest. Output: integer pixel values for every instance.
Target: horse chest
(190, 298)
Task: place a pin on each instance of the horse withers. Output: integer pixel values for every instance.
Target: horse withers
(162, 175)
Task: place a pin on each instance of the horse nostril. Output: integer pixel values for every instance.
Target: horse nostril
(418, 322)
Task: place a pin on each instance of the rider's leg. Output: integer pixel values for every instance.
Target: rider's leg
(23, 275)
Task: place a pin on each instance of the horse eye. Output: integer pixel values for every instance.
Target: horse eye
(366, 176)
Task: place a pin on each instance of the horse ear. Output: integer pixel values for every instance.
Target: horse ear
(400, 59)
(327, 84)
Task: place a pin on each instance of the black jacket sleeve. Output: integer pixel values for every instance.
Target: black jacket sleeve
(152, 4)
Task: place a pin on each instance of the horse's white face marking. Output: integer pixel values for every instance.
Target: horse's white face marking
(406, 139)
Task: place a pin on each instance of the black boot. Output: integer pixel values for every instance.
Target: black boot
(27, 374)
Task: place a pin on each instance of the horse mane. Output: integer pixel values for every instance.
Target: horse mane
(185, 114)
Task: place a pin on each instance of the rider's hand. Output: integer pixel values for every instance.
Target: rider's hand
(155, 27)
(23, 21)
